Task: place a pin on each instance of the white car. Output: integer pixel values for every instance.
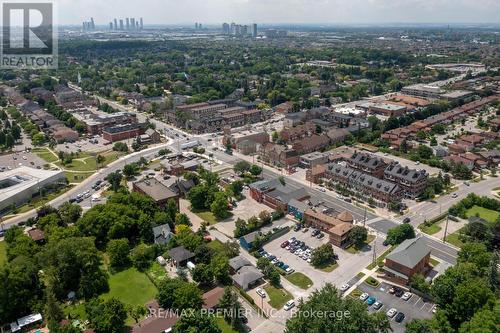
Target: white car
(290, 304)
(344, 287)
(363, 297)
(391, 313)
(406, 296)
(260, 292)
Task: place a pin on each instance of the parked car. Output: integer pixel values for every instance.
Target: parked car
(290, 304)
(305, 230)
(377, 305)
(363, 297)
(454, 195)
(320, 235)
(391, 313)
(370, 300)
(260, 292)
(289, 270)
(399, 317)
(344, 287)
(406, 296)
(406, 220)
(399, 293)
(284, 244)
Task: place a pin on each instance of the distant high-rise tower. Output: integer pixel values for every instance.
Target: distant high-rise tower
(137, 25)
(92, 24)
(121, 24)
(196, 26)
(254, 30)
(127, 21)
(226, 29)
(244, 30)
(233, 28)
(199, 26)
(142, 23)
(110, 25)
(84, 26)
(115, 24)
(132, 23)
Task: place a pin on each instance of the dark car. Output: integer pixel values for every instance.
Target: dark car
(399, 292)
(399, 317)
(385, 243)
(320, 235)
(406, 220)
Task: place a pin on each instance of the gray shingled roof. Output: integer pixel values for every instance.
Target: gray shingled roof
(410, 252)
(398, 171)
(238, 262)
(180, 254)
(247, 275)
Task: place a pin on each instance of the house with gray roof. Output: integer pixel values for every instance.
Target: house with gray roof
(237, 262)
(276, 194)
(162, 234)
(247, 277)
(180, 255)
(412, 181)
(409, 258)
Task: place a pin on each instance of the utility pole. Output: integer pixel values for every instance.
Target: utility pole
(374, 259)
(445, 229)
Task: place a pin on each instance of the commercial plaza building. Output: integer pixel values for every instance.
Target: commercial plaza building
(21, 184)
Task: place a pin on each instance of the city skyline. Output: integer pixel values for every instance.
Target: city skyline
(330, 12)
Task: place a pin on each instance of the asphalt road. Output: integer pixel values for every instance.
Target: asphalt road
(87, 183)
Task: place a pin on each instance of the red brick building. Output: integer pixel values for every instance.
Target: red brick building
(409, 258)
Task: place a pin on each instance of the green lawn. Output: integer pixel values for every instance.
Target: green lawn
(45, 154)
(329, 268)
(85, 162)
(433, 262)
(38, 202)
(300, 280)
(381, 258)
(77, 177)
(207, 216)
(131, 287)
(157, 272)
(3, 253)
(277, 297)
(75, 311)
(372, 282)
(215, 245)
(225, 327)
(353, 249)
(487, 214)
(431, 229)
(360, 275)
(454, 240)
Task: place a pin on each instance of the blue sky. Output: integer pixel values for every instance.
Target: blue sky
(283, 11)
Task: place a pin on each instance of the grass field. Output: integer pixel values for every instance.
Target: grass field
(432, 229)
(77, 177)
(353, 249)
(300, 280)
(3, 253)
(85, 162)
(487, 214)
(45, 154)
(454, 240)
(131, 287)
(277, 297)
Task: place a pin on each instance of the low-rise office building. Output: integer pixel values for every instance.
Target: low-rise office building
(156, 191)
(337, 228)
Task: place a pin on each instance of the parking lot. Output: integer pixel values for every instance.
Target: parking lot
(97, 145)
(414, 308)
(14, 160)
(291, 259)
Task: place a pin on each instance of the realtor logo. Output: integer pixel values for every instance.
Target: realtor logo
(29, 39)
